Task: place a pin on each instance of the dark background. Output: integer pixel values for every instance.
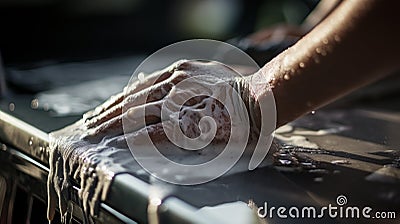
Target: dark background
(71, 30)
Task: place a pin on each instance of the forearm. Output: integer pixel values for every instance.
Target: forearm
(354, 46)
(321, 11)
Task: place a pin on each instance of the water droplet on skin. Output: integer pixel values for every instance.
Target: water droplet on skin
(292, 70)
(286, 69)
(316, 60)
(302, 65)
(321, 51)
(286, 77)
(325, 41)
(141, 77)
(34, 103)
(11, 106)
(337, 38)
(313, 112)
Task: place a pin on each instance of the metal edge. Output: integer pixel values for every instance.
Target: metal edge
(24, 137)
(132, 192)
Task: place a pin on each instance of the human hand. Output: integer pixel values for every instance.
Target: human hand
(170, 105)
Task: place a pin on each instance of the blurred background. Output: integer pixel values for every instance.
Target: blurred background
(65, 57)
(53, 51)
(66, 30)
(61, 58)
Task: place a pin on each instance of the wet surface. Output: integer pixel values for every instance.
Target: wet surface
(353, 152)
(323, 165)
(363, 168)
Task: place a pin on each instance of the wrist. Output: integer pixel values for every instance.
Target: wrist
(244, 89)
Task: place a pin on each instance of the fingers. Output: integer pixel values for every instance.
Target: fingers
(151, 94)
(155, 133)
(112, 127)
(135, 118)
(105, 116)
(148, 81)
(141, 101)
(112, 101)
(140, 116)
(144, 121)
(137, 86)
(152, 88)
(154, 78)
(148, 95)
(170, 74)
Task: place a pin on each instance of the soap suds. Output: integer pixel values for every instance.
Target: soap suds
(89, 153)
(74, 162)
